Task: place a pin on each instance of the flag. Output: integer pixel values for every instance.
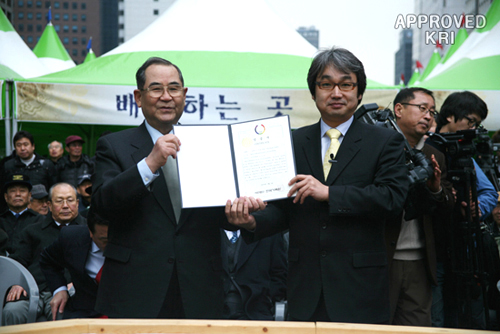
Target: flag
(89, 44)
(49, 15)
(439, 45)
(419, 64)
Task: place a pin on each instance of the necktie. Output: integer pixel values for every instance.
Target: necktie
(334, 135)
(174, 189)
(98, 276)
(16, 215)
(234, 238)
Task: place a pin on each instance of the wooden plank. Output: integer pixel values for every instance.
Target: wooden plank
(128, 326)
(77, 326)
(347, 328)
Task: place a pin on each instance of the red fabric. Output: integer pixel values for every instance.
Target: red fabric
(98, 279)
(98, 276)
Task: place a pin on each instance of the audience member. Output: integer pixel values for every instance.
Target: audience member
(75, 163)
(39, 201)
(410, 240)
(255, 276)
(136, 189)
(34, 238)
(79, 250)
(26, 161)
(56, 151)
(17, 196)
(337, 259)
(84, 183)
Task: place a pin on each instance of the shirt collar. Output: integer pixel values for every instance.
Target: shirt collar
(155, 134)
(95, 249)
(20, 213)
(342, 127)
(420, 143)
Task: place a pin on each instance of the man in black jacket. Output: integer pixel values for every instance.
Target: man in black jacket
(17, 192)
(70, 166)
(26, 161)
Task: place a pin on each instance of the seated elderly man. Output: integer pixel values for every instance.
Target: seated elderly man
(39, 201)
(33, 240)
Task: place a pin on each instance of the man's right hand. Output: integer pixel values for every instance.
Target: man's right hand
(165, 146)
(58, 303)
(15, 293)
(239, 212)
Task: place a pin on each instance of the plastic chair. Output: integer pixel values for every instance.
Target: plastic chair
(281, 310)
(14, 273)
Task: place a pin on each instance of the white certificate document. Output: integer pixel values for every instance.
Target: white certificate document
(217, 163)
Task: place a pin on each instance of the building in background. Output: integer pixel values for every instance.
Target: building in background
(311, 34)
(135, 15)
(403, 59)
(8, 9)
(423, 51)
(74, 21)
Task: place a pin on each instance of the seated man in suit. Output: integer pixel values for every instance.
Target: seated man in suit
(34, 238)
(351, 180)
(79, 250)
(255, 276)
(17, 193)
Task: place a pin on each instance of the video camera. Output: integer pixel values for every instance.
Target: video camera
(419, 167)
(462, 145)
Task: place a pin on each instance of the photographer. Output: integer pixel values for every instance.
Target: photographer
(462, 111)
(410, 239)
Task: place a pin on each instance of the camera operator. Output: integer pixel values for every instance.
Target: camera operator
(410, 239)
(461, 111)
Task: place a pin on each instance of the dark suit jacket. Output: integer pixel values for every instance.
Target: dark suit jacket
(337, 247)
(34, 238)
(14, 226)
(70, 251)
(260, 272)
(434, 213)
(144, 241)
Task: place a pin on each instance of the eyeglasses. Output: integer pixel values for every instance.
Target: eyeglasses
(69, 201)
(156, 91)
(343, 86)
(423, 109)
(472, 123)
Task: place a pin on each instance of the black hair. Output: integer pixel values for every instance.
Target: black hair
(459, 105)
(407, 94)
(23, 134)
(140, 75)
(343, 60)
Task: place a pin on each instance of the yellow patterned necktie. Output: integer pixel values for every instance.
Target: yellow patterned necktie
(334, 135)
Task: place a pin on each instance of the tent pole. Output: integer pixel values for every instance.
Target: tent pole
(8, 113)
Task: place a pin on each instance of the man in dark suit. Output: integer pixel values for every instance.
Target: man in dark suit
(79, 250)
(34, 238)
(337, 258)
(255, 276)
(161, 261)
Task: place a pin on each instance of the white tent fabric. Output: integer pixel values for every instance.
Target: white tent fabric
(16, 55)
(219, 25)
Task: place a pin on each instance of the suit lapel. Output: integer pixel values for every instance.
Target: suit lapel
(312, 151)
(245, 251)
(143, 146)
(347, 151)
